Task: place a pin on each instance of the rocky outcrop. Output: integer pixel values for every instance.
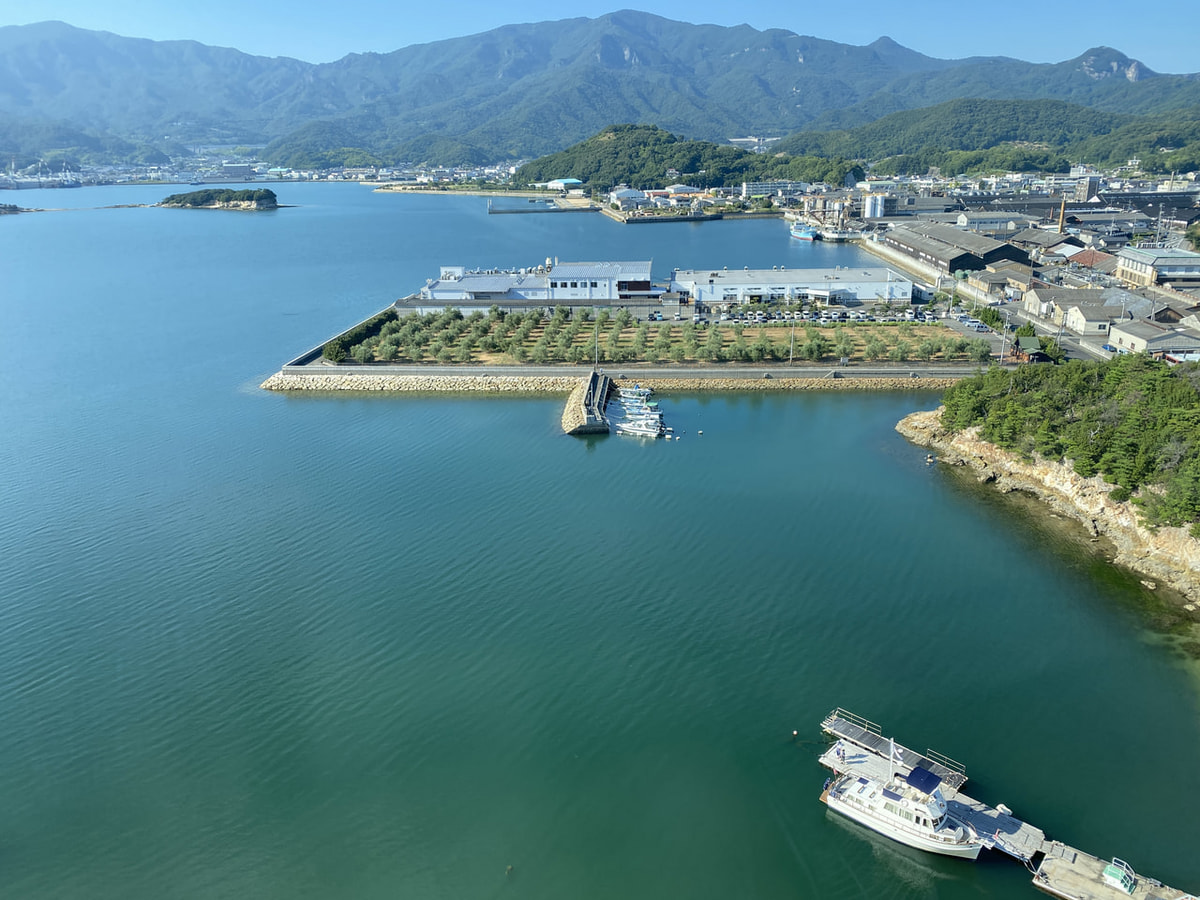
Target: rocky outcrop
(244, 204)
(1168, 555)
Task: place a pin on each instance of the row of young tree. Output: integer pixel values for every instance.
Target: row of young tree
(448, 337)
(1132, 419)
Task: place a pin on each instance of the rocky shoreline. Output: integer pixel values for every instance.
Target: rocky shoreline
(492, 384)
(1166, 555)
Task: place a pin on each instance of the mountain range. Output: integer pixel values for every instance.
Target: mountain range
(513, 92)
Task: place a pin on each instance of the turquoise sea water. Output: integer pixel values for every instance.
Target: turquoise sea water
(275, 646)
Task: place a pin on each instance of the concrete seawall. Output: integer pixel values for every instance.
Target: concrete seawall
(326, 380)
(778, 384)
(444, 384)
(584, 412)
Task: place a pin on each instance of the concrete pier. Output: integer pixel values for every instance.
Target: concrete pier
(859, 746)
(584, 412)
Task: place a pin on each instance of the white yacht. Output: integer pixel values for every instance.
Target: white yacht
(640, 428)
(909, 809)
(637, 392)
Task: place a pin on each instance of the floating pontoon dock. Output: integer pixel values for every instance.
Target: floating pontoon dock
(859, 746)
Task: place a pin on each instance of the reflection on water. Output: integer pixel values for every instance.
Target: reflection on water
(914, 870)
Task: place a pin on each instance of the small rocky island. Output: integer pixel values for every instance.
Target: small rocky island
(223, 199)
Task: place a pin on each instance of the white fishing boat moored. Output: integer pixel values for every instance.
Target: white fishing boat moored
(909, 809)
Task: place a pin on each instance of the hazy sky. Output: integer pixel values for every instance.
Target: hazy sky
(1165, 36)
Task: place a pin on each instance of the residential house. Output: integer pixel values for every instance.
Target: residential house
(1153, 338)
(1147, 266)
(1053, 302)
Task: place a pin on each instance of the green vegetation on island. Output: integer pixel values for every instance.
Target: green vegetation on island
(646, 156)
(506, 338)
(257, 199)
(1132, 419)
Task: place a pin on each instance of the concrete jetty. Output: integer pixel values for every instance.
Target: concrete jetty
(584, 412)
(548, 206)
(858, 745)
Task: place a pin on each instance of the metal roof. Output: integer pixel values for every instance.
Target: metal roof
(488, 282)
(1155, 257)
(782, 277)
(955, 237)
(625, 271)
(908, 236)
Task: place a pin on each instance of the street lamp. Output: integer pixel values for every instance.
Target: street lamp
(596, 341)
(1003, 336)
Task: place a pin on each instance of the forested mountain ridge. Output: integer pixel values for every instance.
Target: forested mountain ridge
(1010, 135)
(519, 90)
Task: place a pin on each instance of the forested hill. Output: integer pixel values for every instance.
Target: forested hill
(1011, 135)
(1132, 419)
(645, 157)
(513, 92)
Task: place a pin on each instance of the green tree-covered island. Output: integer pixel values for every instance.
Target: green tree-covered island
(223, 199)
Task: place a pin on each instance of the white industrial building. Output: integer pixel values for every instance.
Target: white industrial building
(570, 284)
(735, 287)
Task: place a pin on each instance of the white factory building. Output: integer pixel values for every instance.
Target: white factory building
(570, 284)
(844, 284)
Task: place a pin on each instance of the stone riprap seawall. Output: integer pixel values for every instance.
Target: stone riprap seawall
(776, 383)
(333, 380)
(442, 384)
(1169, 555)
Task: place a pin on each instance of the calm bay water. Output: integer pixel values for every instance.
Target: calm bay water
(268, 646)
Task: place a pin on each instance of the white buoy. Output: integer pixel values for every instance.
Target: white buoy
(701, 431)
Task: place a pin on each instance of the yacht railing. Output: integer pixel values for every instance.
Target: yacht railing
(846, 715)
(946, 761)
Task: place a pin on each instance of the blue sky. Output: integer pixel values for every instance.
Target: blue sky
(1165, 36)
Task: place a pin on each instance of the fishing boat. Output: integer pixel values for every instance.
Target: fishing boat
(805, 232)
(637, 392)
(909, 809)
(840, 235)
(634, 406)
(640, 428)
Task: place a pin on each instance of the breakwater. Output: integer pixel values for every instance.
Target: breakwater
(775, 383)
(416, 383)
(1169, 555)
(584, 412)
(343, 380)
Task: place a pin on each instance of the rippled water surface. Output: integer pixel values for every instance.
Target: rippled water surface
(269, 646)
